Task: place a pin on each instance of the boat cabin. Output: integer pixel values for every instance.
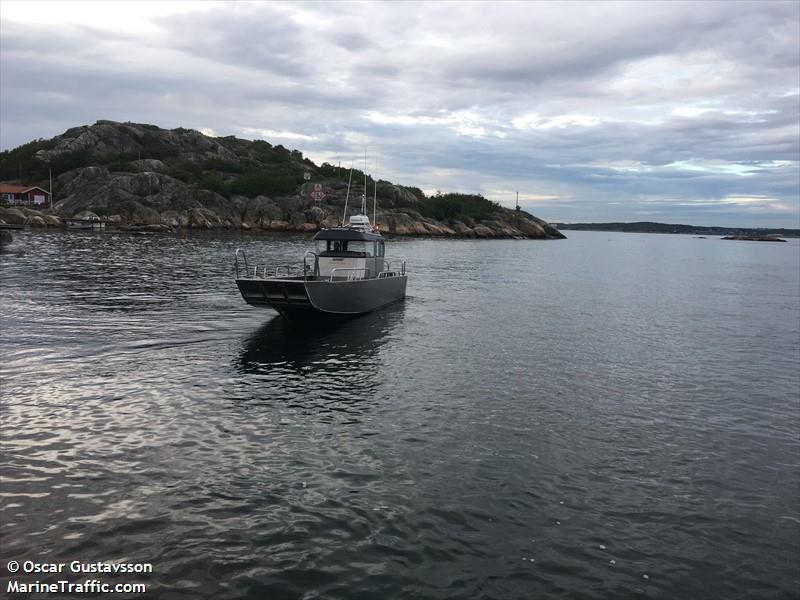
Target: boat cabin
(350, 252)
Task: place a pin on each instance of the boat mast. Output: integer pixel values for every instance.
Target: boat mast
(364, 195)
(344, 216)
(375, 198)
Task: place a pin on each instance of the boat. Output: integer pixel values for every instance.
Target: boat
(347, 274)
(85, 224)
(86, 220)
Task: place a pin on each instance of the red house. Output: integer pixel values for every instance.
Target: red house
(25, 195)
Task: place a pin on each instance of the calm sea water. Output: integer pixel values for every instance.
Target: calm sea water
(608, 416)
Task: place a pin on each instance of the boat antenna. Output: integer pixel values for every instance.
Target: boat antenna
(364, 195)
(375, 197)
(346, 198)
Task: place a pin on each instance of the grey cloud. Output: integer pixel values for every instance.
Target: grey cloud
(260, 37)
(319, 69)
(352, 41)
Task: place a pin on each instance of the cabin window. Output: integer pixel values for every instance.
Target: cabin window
(333, 246)
(362, 248)
(355, 248)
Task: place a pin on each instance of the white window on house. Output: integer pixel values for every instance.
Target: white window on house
(38, 199)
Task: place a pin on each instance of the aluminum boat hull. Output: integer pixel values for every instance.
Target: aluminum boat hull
(295, 297)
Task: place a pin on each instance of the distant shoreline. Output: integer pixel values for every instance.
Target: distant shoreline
(647, 227)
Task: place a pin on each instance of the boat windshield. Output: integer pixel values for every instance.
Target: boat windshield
(358, 248)
(361, 247)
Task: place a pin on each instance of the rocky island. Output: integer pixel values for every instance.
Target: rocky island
(754, 238)
(142, 176)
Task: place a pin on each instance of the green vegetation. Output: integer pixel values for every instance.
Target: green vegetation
(458, 207)
(417, 192)
(214, 183)
(264, 183)
(332, 171)
(157, 151)
(21, 162)
(225, 166)
(185, 170)
(345, 174)
(67, 161)
(121, 166)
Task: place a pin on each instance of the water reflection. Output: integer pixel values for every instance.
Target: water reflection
(338, 345)
(332, 367)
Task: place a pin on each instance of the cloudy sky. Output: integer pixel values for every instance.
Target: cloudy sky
(672, 112)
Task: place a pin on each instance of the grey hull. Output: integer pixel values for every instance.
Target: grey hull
(355, 297)
(296, 297)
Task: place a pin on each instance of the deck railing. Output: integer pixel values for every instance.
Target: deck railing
(352, 274)
(394, 268)
(388, 267)
(239, 251)
(263, 271)
(306, 268)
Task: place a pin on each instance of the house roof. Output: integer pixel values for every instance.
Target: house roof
(19, 189)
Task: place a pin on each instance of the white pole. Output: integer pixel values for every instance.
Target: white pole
(375, 198)
(51, 189)
(364, 197)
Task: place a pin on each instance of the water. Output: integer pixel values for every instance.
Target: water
(608, 416)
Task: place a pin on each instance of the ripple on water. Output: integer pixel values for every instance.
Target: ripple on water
(599, 418)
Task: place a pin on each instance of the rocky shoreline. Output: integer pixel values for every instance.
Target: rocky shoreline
(754, 238)
(265, 214)
(133, 175)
